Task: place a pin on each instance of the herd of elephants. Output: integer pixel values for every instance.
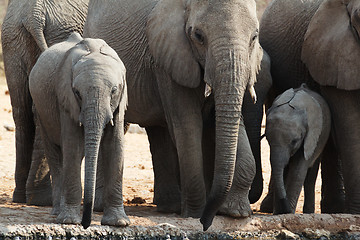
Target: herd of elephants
(196, 74)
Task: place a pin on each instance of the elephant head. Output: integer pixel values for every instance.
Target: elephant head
(216, 42)
(94, 87)
(297, 129)
(331, 44)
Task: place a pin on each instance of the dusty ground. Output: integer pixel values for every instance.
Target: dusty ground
(22, 220)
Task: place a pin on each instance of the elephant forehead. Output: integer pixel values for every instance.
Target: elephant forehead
(228, 13)
(98, 73)
(99, 64)
(284, 98)
(283, 113)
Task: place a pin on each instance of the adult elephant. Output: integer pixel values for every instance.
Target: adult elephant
(171, 49)
(167, 190)
(282, 35)
(29, 27)
(330, 53)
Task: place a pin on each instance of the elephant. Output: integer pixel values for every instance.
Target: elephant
(167, 191)
(297, 129)
(289, 39)
(79, 92)
(29, 27)
(172, 50)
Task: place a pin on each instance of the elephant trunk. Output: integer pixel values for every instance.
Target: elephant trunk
(94, 124)
(279, 157)
(229, 87)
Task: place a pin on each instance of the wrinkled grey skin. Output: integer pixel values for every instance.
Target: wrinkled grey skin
(79, 91)
(297, 129)
(29, 27)
(166, 86)
(252, 115)
(281, 35)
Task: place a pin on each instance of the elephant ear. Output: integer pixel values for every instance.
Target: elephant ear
(331, 47)
(315, 122)
(169, 45)
(66, 97)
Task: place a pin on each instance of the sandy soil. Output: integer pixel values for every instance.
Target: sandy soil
(138, 183)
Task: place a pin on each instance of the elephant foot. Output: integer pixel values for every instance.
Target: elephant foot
(55, 210)
(256, 190)
(115, 217)
(40, 196)
(69, 215)
(266, 205)
(169, 207)
(19, 196)
(238, 207)
(168, 201)
(193, 213)
(282, 206)
(334, 204)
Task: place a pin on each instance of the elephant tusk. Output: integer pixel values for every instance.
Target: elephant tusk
(207, 90)
(112, 122)
(253, 94)
(80, 124)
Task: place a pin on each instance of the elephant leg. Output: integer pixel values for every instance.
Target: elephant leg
(309, 187)
(112, 158)
(167, 194)
(38, 186)
(54, 158)
(344, 106)
(72, 148)
(266, 205)
(24, 137)
(295, 178)
(99, 189)
(237, 202)
(332, 186)
(18, 61)
(253, 114)
(182, 109)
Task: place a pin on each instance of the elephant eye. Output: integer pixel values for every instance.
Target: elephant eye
(77, 94)
(196, 35)
(199, 36)
(255, 35)
(114, 89)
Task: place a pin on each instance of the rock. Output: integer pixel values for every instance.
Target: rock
(286, 234)
(316, 233)
(9, 127)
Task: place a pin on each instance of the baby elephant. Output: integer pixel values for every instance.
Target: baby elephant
(297, 129)
(79, 91)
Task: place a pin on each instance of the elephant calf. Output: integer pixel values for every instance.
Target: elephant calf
(79, 91)
(297, 129)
